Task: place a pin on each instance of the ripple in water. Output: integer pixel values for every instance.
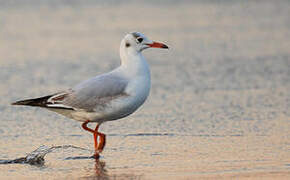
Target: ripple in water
(36, 157)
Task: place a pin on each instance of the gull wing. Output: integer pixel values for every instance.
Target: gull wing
(89, 95)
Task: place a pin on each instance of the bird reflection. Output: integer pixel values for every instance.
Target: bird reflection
(101, 172)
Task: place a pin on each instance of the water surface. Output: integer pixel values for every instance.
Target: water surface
(219, 104)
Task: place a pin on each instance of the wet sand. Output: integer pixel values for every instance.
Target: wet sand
(219, 104)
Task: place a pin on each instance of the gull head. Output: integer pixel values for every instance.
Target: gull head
(137, 42)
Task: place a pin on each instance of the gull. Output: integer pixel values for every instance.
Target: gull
(106, 97)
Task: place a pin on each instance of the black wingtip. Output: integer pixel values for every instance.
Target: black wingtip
(25, 102)
(33, 102)
(14, 103)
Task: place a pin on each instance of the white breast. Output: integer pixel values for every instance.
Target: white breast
(138, 88)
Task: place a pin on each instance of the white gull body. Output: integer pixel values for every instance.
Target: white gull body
(109, 96)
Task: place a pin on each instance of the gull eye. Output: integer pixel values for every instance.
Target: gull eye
(139, 39)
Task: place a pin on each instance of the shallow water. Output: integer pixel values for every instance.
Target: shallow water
(219, 104)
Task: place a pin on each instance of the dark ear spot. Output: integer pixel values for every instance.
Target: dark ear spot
(127, 44)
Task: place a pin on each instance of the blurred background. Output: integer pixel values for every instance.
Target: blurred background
(219, 102)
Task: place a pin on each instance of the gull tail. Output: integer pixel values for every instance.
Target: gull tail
(41, 102)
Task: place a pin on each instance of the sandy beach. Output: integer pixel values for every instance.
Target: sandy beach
(219, 106)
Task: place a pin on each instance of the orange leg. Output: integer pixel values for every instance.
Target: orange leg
(99, 146)
(84, 125)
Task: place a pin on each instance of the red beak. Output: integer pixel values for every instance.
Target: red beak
(158, 45)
